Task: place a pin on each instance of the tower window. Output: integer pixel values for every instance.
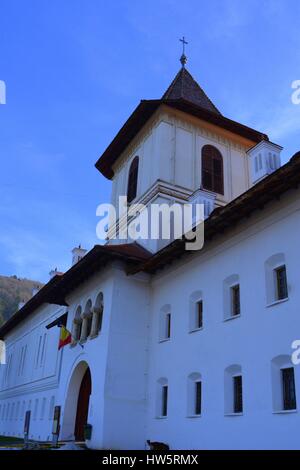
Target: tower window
(132, 180)
(212, 169)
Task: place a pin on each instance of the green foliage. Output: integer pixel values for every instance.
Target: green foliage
(13, 291)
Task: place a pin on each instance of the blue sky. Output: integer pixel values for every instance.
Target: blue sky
(75, 70)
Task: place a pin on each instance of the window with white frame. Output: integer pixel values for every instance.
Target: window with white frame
(281, 283)
(283, 384)
(194, 394)
(235, 300)
(237, 393)
(162, 398)
(165, 323)
(196, 311)
(231, 297)
(276, 278)
(233, 390)
(288, 388)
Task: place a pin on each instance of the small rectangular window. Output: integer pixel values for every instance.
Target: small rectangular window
(237, 394)
(281, 283)
(198, 387)
(164, 408)
(168, 325)
(235, 300)
(199, 314)
(288, 389)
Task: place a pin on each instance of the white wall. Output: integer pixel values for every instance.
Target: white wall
(127, 365)
(30, 381)
(127, 359)
(169, 149)
(93, 353)
(252, 340)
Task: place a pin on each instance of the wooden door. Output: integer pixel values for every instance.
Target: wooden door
(83, 406)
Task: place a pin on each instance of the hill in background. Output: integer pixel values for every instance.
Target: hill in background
(13, 291)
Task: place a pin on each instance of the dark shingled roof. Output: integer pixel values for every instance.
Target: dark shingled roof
(185, 87)
(184, 94)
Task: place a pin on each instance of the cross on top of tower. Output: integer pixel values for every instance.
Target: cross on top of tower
(183, 58)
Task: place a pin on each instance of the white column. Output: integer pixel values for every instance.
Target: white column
(97, 311)
(86, 316)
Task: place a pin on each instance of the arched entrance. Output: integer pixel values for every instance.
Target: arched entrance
(83, 405)
(76, 408)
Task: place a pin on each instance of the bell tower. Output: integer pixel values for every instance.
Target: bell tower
(179, 148)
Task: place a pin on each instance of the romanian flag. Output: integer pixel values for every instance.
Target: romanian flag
(64, 338)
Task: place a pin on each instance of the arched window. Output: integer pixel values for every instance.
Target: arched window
(97, 315)
(165, 323)
(132, 179)
(194, 391)
(77, 324)
(86, 321)
(231, 297)
(233, 390)
(283, 384)
(162, 398)
(276, 278)
(212, 169)
(196, 312)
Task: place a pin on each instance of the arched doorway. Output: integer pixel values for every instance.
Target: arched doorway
(83, 405)
(76, 407)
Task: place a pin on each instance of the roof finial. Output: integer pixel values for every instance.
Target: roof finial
(183, 58)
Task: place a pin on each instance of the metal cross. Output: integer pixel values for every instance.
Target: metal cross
(184, 42)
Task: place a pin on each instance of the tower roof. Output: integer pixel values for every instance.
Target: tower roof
(185, 87)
